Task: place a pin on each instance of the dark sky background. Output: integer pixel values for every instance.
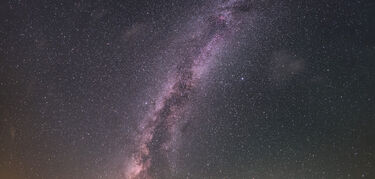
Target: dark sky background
(295, 98)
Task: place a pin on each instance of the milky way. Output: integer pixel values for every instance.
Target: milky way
(170, 89)
(158, 128)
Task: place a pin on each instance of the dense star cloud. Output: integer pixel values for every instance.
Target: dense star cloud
(187, 89)
(158, 129)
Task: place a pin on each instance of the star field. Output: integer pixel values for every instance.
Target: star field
(187, 89)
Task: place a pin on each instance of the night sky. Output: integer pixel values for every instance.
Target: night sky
(192, 89)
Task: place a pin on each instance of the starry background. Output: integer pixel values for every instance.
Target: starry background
(294, 100)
